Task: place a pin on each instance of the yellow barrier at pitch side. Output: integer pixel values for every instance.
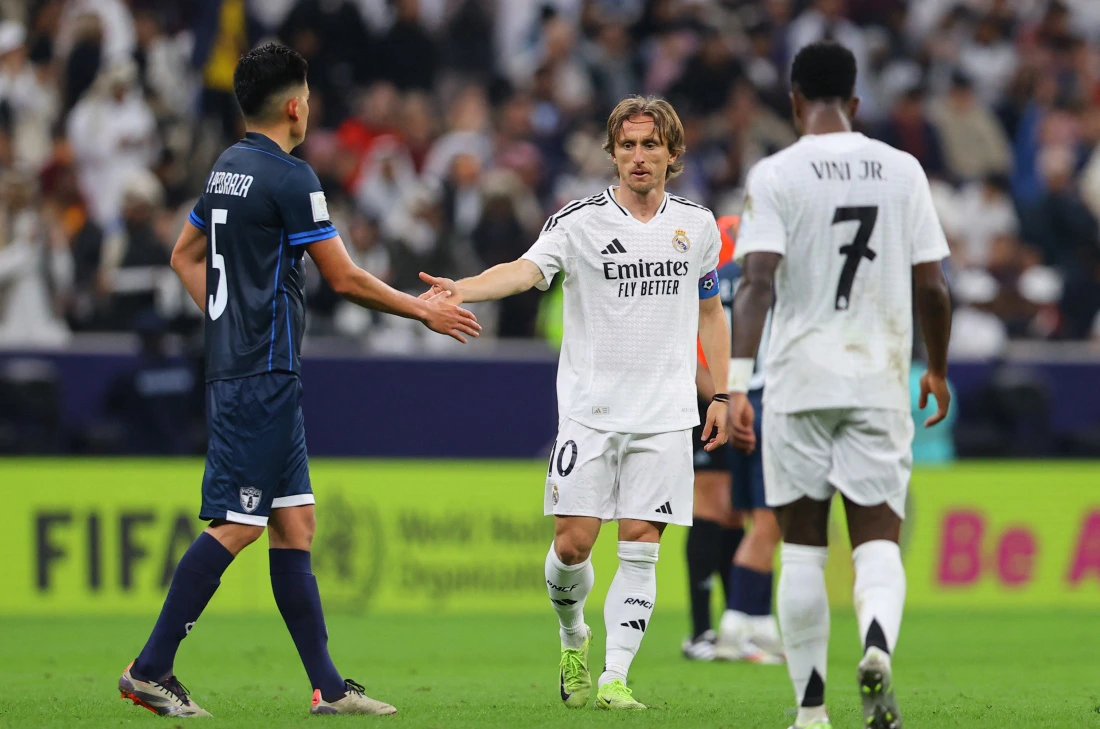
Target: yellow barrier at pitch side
(103, 537)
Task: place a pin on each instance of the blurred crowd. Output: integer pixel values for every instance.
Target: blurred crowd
(445, 131)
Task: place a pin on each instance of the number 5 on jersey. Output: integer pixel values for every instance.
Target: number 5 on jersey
(215, 305)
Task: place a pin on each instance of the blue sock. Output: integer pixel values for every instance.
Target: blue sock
(197, 576)
(751, 591)
(295, 590)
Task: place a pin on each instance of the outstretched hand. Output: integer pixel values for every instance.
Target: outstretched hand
(441, 284)
(445, 318)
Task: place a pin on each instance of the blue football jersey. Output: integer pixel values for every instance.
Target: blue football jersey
(259, 208)
(729, 278)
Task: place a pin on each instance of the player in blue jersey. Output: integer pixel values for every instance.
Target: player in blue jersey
(744, 559)
(240, 258)
(748, 630)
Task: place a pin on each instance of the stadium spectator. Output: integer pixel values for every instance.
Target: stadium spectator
(375, 114)
(115, 20)
(909, 130)
(134, 264)
(409, 57)
(113, 132)
(974, 143)
(224, 31)
(386, 176)
(469, 127)
(826, 20)
(982, 212)
(464, 49)
(613, 65)
(28, 100)
(709, 76)
(989, 59)
(36, 269)
(1059, 223)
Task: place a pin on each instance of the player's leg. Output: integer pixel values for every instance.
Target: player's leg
(239, 514)
(294, 586)
(628, 609)
(872, 467)
(569, 579)
(705, 553)
(149, 680)
(749, 629)
(879, 593)
(733, 533)
(655, 489)
(291, 528)
(580, 481)
(797, 459)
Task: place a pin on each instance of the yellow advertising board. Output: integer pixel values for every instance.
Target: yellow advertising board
(102, 536)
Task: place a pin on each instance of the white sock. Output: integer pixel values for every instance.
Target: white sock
(569, 586)
(804, 619)
(879, 591)
(629, 606)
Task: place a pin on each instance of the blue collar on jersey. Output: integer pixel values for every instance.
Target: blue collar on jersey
(262, 141)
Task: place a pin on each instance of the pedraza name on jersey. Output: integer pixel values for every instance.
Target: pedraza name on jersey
(229, 183)
(834, 170)
(646, 278)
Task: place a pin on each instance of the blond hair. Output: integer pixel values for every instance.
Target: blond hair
(666, 123)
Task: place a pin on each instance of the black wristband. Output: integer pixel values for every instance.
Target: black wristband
(720, 397)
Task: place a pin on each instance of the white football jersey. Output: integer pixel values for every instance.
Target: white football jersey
(631, 310)
(851, 216)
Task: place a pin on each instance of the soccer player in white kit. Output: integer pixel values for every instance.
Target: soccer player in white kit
(639, 285)
(844, 230)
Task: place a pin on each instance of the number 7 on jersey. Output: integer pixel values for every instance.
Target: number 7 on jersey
(855, 251)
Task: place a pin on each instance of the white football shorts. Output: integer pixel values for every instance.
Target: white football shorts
(864, 453)
(620, 475)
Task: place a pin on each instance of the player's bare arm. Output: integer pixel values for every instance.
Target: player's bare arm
(189, 262)
(934, 315)
(714, 334)
(356, 285)
(750, 309)
(704, 383)
(498, 282)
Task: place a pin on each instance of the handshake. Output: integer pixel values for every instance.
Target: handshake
(442, 313)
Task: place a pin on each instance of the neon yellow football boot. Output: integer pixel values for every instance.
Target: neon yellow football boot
(615, 696)
(576, 681)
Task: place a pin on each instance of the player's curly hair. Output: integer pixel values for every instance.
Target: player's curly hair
(665, 120)
(262, 73)
(824, 71)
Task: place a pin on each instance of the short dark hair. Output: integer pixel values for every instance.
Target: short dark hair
(824, 71)
(263, 72)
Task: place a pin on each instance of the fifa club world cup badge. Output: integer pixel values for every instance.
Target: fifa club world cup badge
(680, 241)
(250, 498)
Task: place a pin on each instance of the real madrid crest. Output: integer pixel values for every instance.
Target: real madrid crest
(680, 241)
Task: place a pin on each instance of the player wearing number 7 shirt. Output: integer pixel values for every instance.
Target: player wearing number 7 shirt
(240, 258)
(840, 229)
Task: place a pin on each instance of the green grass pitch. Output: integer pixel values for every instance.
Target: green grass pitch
(994, 669)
